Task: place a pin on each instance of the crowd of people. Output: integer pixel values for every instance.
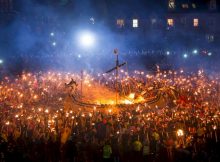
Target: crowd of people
(37, 126)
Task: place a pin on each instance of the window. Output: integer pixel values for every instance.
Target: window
(195, 22)
(193, 5)
(185, 6)
(210, 37)
(153, 21)
(183, 21)
(171, 4)
(135, 23)
(10, 3)
(212, 22)
(170, 22)
(120, 23)
(212, 5)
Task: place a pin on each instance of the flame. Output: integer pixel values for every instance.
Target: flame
(139, 99)
(131, 95)
(109, 102)
(127, 102)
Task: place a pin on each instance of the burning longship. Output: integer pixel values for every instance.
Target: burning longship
(112, 89)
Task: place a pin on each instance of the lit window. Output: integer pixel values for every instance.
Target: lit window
(135, 23)
(120, 22)
(185, 6)
(195, 22)
(170, 22)
(193, 5)
(171, 4)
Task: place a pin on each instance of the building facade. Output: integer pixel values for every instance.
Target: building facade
(7, 11)
(6, 6)
(164, 23)
(181, 22)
